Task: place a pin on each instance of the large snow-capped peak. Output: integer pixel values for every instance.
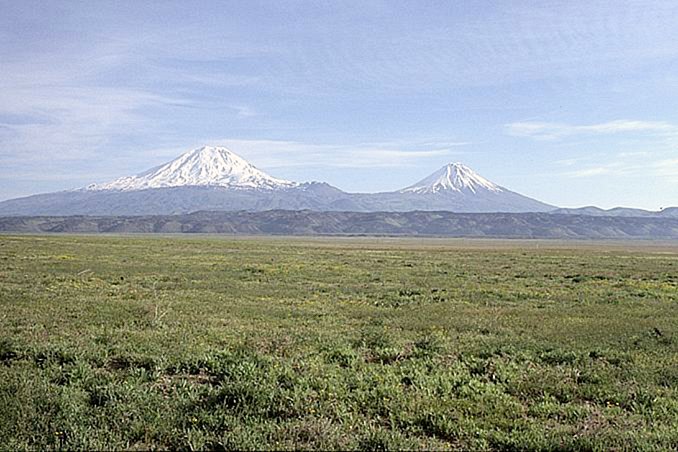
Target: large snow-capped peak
(206, 166)
(453, 177)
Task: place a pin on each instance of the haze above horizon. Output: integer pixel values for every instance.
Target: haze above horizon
(572, 103)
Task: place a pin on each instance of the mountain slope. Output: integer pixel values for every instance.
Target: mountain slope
(178, 200)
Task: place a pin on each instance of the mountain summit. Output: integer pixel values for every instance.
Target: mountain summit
(206, 166)
(453, 177)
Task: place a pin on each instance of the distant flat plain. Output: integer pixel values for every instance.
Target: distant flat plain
(213, 342)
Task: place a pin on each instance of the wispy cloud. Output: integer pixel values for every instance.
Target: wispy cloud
(552, 131)
(594, 171)
(71, 123)
(631, 165)
(78, 101)
(666, 168)
(570, 162)
(281, 154)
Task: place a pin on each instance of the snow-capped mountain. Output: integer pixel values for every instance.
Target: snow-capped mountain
(206, 166)
(454, 177)
(216, 179)
(454, 187)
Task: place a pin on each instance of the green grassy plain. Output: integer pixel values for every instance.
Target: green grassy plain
(222, 343)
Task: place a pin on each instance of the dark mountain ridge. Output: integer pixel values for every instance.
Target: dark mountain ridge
(307, 222)
(669, 212)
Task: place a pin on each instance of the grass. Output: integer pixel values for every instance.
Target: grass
(224, 343)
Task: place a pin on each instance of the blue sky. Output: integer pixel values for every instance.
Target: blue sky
(573, 102)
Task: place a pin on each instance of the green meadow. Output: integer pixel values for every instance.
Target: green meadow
(205, 342)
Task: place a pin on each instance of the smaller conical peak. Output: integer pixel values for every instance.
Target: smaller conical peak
(205, 166)
(453, 177)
